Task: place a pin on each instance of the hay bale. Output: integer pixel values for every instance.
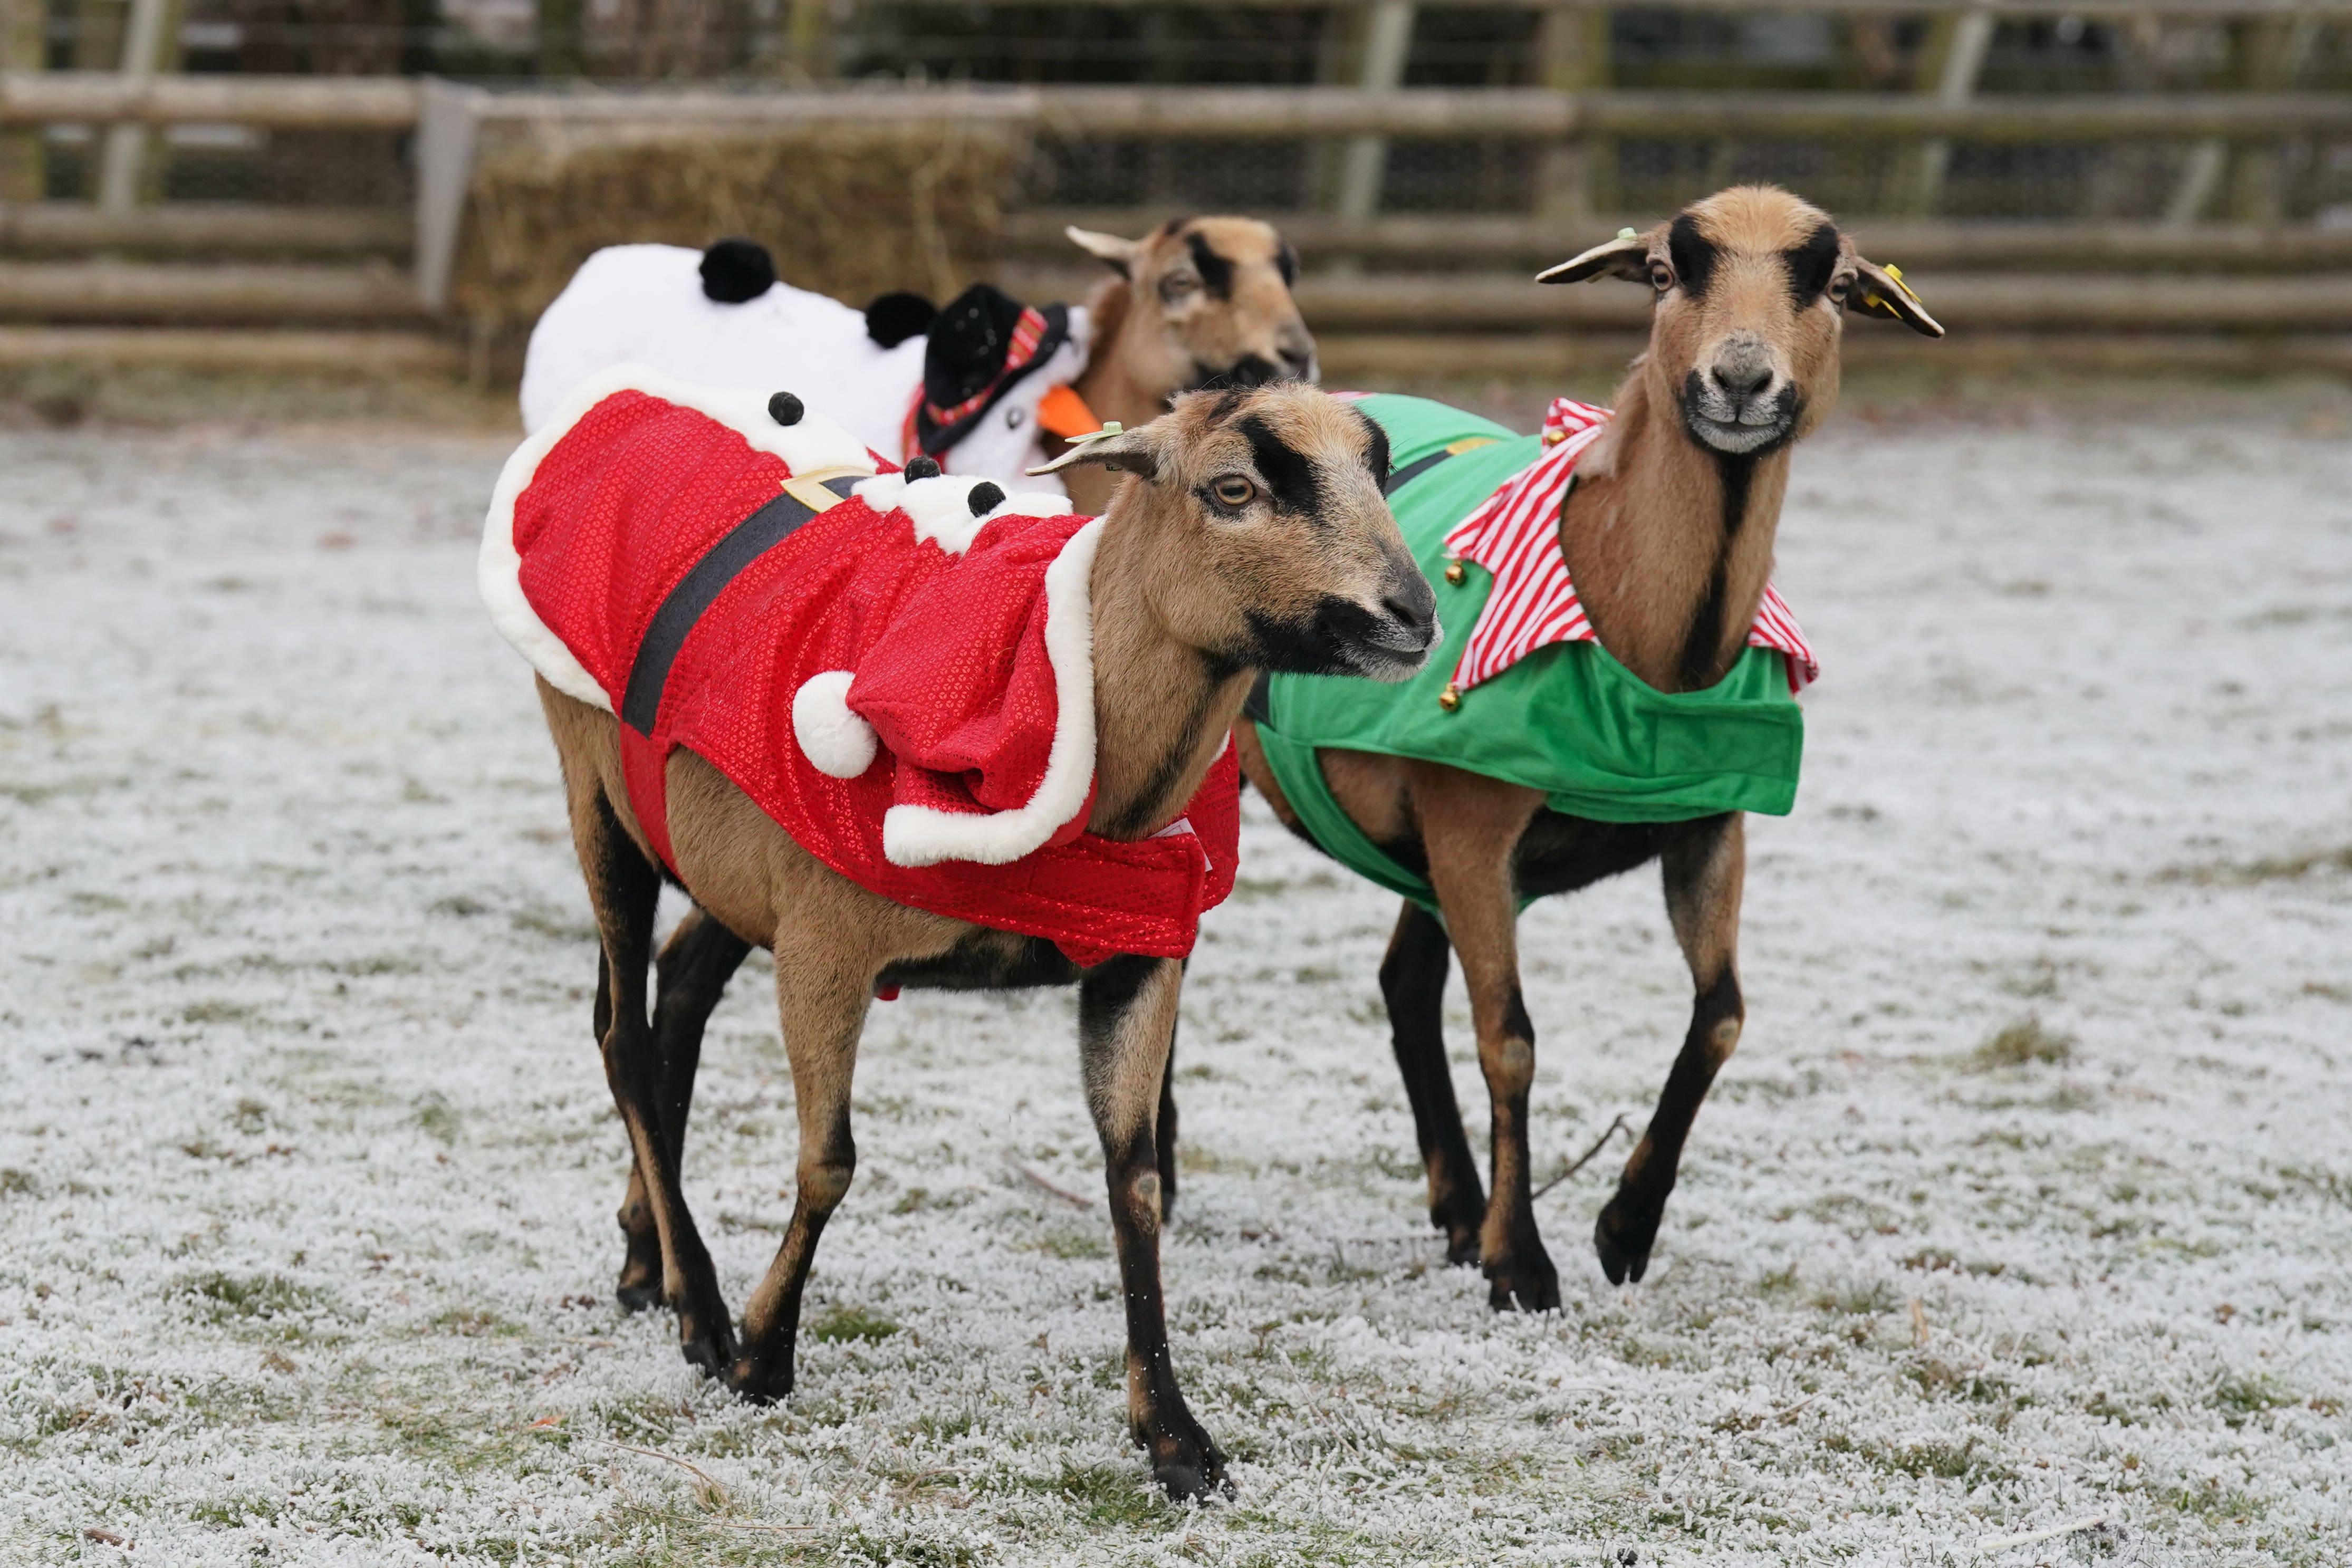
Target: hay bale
(851, 211)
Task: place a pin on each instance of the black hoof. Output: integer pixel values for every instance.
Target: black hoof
(637, 1294)
(1527, 1282)
(639, 1288)
(709, 1348)
(1461, 1236)
(1624, 1242)
(756, 1385)
(1190, 1469)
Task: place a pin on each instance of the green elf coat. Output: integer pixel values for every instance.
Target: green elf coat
(1562, 716)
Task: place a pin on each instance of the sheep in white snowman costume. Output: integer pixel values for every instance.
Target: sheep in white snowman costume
(986, 386)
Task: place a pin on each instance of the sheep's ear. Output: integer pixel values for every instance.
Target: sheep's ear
(1113, 252)
(1128, 450)
(1626, 256)
(1881, 291)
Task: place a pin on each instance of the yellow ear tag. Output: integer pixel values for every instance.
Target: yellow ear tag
(1627, 234)
(1877, 304)
(1110, 427)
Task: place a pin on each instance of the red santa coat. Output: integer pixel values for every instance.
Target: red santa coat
(908, 689)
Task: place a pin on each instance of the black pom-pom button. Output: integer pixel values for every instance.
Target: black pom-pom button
(922, 468)
(785, 409)
(985, 498)
(736, 270)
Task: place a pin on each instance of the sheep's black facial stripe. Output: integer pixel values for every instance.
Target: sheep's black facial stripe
(1376, 451)
(1286, 261)
(1692, 253)
(1289, 476)
(1228, 401)
(1811, 265)
(1216, 271)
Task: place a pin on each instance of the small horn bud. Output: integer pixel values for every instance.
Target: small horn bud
(985, 498)
(921, 468)
(785, 409)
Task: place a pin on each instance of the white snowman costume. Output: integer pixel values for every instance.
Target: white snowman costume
(646, 304)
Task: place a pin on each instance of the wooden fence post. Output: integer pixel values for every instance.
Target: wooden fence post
(1949, 68)
(2265, 56)
(1388, 39)
(1572, 51)
(23, 46)
(149, 44)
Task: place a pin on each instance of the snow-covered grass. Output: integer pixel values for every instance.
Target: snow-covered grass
(2028, 1197)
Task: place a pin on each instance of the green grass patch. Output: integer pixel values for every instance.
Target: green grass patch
(849, 1322)
(2028, 1042)
(286, 1307)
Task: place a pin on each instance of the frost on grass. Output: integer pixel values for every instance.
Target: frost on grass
(2026, 1200)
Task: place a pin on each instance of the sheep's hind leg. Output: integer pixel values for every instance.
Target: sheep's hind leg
(689, 978)
(623, 889)
(1412, 982)
(821, 998)
(1127, 1022)
(1705, 870)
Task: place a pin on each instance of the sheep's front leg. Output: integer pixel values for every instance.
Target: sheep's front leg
(690, 977)
(1705, 870)
(1127, 1022)
(1471, 827)
(821, 996)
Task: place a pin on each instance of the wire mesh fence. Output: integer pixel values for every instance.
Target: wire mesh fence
(2305, 182)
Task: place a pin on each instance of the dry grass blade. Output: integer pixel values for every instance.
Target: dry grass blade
(2002, 1542)
(1585, 1158)
(707, 1491)
(1047, 1184)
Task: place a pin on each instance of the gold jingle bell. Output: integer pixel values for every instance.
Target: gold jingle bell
(1453, 573)
(1449, 699)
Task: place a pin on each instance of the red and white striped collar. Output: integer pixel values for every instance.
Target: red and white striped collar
(1515, 535)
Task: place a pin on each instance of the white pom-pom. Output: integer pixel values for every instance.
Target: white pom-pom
(835, 740)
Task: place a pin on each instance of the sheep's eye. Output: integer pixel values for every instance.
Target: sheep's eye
(1233, 491)
(1177, 285)
(1838, 286)
(1662, 277)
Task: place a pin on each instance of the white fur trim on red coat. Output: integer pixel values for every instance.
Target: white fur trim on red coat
(940, 508)
(815, 445)
(835, 741)
(921, 836)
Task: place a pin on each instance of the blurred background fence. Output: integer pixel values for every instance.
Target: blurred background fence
(2119, 182)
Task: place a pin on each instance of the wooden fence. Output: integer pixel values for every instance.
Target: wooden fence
(2020, 276)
